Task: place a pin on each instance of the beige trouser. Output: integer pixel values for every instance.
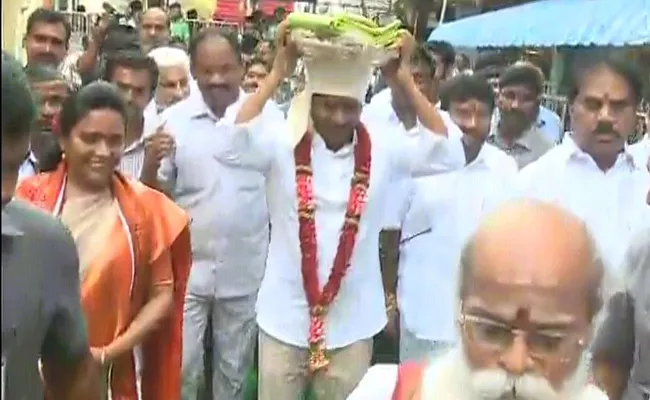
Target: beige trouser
(283, 370)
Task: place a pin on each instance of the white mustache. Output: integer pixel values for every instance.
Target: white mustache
(497, 384)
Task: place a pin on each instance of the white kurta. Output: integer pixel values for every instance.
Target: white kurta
(641, 151)
(441, 380)
(444, 211)
(358, 312)
(612, 204)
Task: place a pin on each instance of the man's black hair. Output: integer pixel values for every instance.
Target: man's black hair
(120, 38)
(18, 108)
(625, 69)
(133, 60)
(422, 57)
(248, 43)
(49, 17)
(136, 5)
(214, 33)
(175, 5)
(463, 88)
(523, 74)
(445, 50)
(257, 61)
(271, 44)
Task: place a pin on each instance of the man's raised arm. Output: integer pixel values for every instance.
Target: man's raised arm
(399, 78)
(283, 66)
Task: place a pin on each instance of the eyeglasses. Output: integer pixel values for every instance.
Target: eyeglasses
(500, 337)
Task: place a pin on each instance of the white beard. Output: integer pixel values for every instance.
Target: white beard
(451, 378)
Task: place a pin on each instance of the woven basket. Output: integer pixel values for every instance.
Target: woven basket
(346, 46)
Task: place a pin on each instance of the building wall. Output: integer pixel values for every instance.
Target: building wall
(14, 21)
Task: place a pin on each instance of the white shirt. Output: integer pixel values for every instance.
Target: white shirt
(446, 378)
(133, 158)
(550, 124)
(444, 211)
(612, 203)
(227, 204)
(641, 152)
(358, 312)
(381, 111)
(28, 168)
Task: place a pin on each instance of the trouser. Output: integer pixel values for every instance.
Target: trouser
(412, 348)
(234, 333)
(283, 370)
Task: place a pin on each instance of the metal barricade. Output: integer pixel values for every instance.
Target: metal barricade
(197, 25)
(81, 25)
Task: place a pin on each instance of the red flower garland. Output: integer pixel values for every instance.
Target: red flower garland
(319, 301)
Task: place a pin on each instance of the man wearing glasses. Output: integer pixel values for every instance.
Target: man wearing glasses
(525, 315)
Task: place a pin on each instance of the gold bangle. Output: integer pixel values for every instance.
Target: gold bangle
(391, 303)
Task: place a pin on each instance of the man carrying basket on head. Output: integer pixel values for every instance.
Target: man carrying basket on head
(328, 169)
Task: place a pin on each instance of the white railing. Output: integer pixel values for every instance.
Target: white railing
(82, 23)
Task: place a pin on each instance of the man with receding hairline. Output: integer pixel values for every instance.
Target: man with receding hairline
(525, 314)
(153, 29)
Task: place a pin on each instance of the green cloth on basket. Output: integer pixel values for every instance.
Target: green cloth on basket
(347, 24)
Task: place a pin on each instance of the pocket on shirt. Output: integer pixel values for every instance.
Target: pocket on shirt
(194, 170)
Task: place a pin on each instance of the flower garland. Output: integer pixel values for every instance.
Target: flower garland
(319, 301)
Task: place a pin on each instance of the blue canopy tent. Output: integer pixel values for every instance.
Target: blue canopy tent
(551, 23)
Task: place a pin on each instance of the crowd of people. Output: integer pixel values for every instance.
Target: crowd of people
(304, 206)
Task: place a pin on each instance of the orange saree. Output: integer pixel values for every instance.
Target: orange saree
(409, 381)
(151, 231)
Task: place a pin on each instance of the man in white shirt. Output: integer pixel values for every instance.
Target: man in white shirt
(230, 222)
(394, 110)
(173, 84)
(529, 289)
(592, 172)
(327, 177)
(443, 213)
(136, 76)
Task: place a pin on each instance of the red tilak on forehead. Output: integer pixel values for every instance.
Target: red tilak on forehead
(523, 314)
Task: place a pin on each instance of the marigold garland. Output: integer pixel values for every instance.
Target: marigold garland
(319, 301)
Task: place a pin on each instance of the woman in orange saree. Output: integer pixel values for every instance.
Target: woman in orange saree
(133, 245)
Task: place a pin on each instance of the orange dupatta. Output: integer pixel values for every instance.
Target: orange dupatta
(156, 225)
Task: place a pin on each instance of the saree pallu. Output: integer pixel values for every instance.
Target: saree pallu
(152, 231)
